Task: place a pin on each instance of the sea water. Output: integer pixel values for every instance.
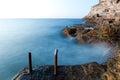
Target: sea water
(41, 37)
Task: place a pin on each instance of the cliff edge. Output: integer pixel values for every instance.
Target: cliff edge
(106, 9)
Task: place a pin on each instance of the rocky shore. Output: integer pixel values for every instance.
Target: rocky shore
(109, 70)
(102, 25)
(107, 31)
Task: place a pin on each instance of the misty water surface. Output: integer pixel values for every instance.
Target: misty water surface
(42, 37)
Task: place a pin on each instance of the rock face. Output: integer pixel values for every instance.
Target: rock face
(106, 19)
(106, 9)
(102, 32)
(113, 68)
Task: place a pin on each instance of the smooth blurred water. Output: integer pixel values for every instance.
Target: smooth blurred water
(42, 37)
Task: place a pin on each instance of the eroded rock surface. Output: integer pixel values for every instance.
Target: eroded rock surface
(91, 71)
(106, 17)
(113, 68)
(105, 32)
(106, 9)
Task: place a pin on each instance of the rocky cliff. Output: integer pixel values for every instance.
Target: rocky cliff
(106, 9)
(102, 25)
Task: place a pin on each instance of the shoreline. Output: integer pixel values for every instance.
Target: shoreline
(84, 69)
(87, 69)
(103, 25)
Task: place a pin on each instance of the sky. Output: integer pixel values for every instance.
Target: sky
(45, 8)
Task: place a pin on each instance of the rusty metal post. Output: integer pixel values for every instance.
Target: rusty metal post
(55, 62)
(30, 62)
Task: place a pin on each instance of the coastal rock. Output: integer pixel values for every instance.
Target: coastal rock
(105, 9)
(102, 32)
(82, 33)
(113, 68)
(105, 20)
(106, 17)
(69, 31)
(91, 71)
(109, 70)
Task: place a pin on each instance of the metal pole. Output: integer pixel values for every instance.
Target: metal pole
(55, 62)
(30, 62)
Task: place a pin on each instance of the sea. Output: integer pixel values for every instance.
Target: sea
(41, 37)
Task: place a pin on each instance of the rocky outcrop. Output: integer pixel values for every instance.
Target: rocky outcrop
(102, 32)
(106, 19)
(91, 71)
(112, 68)
(105, 9)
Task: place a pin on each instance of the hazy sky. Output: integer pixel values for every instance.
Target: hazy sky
(45, 8)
